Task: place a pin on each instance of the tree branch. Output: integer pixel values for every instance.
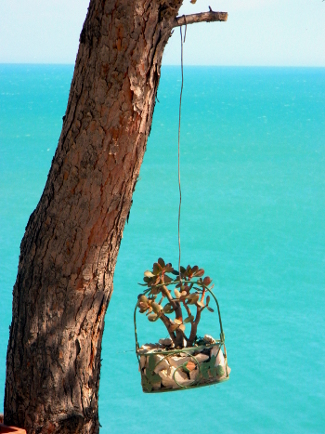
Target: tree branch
(201, 17)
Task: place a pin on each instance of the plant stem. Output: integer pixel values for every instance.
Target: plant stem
(194, 326)
(168, 325)
(203, 294)
(188, 310)
(180, 336)
(176, 305)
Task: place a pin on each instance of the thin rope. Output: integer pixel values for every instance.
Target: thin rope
(179, 137)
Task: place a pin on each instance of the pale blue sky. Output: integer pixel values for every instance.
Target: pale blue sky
(258, 32)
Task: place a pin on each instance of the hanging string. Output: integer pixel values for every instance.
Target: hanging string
(179, 137)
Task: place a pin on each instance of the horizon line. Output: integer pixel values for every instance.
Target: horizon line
(171, 64)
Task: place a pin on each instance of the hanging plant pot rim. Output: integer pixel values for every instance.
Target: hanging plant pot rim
(179, 350)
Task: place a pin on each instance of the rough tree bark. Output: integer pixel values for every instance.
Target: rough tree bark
(70, 246)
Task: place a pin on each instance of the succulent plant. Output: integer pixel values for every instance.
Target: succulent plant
(174, 292)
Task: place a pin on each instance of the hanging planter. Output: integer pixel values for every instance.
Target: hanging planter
(183, 360)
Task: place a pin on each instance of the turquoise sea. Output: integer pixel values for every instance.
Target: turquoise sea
(253, 216)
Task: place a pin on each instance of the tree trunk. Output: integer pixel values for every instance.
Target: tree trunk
(70, 246)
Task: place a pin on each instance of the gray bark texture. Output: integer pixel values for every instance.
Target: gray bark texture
(69, 250)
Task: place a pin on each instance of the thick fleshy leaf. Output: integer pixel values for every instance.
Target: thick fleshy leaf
(167, 279)
(152, 317)
(156, 269)
(168, 308)
(200, 272)
(143, 298)
(148, 273)
(193, 298)
(210, 309)
(156, 307)
(189, 319)
(208, 300)
(161, 262)
(200, 303)
(143, 310)
(173, 327)
(207, 281)
(177, 293)
(178, 321)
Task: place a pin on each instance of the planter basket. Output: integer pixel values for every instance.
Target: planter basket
(164, 370)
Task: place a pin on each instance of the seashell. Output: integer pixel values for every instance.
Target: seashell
(161, 363)
(168, 381)
(216, 351)
(143, 360)
(194, 374)
(209, 339)
(180, 360)
(177, 361)
(166, 342)
(200, 357)
(148, 348)
(220, 360)
(182, 379)
(167, 378)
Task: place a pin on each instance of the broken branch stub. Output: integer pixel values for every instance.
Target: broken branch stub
(206, 17)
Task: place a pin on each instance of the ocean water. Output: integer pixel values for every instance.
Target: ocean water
(253, 216)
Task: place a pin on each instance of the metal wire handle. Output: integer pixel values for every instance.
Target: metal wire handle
(179, 141)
